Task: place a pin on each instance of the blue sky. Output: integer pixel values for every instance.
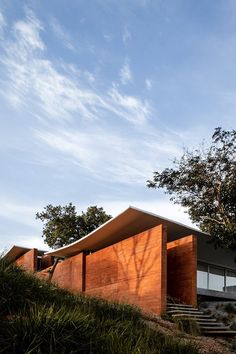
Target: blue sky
(96, 95)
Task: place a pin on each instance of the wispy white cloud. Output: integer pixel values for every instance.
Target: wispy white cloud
(19, 213)
(126, 35)
(101, 152)
(61, 34)
(108, 37)
(2, 24)
(66, 96)
(27, 34)
(125, 74)
(148, 84)
(33, 80)
(129, 107)
(89, 76)
(104, 153)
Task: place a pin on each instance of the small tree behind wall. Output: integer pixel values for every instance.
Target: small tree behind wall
(62, 224)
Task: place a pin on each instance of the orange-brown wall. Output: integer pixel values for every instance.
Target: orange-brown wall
(182, 269)
(69, 273)
(139, 270)
(47, 261)
(28, 260)
(132, 271)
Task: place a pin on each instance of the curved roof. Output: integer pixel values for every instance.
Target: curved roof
(17, 251)
(128, 223)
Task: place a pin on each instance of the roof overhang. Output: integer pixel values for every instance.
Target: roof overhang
(17, 251)
(130, 222)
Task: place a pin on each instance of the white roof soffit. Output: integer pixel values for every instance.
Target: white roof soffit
(128, 223)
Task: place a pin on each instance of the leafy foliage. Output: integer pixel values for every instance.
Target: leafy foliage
(204, 181)
(64, 226)
(37, 317)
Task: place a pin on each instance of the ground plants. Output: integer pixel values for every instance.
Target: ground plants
(188, 325)
(230, 308)
(36, 317)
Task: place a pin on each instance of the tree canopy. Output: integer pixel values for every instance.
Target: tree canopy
(62, 224)
(204, 181)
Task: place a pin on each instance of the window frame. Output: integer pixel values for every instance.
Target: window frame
(225, 271)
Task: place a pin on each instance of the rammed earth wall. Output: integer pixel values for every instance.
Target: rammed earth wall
(140, 270)
(132, 271)
(28, 260)
(182, 269)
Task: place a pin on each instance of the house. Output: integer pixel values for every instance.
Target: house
(139, 258)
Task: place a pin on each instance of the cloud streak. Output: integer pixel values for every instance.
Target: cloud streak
(33, 80)
(125, 74)
(126, 35)
(61, 34)
(2, 24)
(101, 153)
(75, 119)
(148, 84)
(109, 156)
(18, 213)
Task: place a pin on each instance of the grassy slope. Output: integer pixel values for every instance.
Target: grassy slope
(37, 317)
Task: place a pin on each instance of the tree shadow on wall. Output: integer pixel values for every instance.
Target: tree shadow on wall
(137, 259)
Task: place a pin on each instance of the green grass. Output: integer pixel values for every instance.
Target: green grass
(37, 317)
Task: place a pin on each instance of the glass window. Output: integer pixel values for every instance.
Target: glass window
(202, 276)
(216, 279)
(231, 281)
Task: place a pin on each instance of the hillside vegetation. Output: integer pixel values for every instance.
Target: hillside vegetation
(37, 317)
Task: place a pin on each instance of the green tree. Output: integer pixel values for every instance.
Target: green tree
(204, 181)
(62, 225)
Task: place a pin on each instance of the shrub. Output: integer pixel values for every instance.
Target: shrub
(188, 325)
(230, 308)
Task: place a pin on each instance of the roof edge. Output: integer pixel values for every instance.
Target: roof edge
(91, 233)
(118, 215)
(170, 220)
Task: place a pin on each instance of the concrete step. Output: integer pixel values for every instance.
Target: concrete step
(190, 312)
(226, 333)
(170, 308)
(209, 324)
(219, 328)
(206, 320)
(194, 316)
(179, 305)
